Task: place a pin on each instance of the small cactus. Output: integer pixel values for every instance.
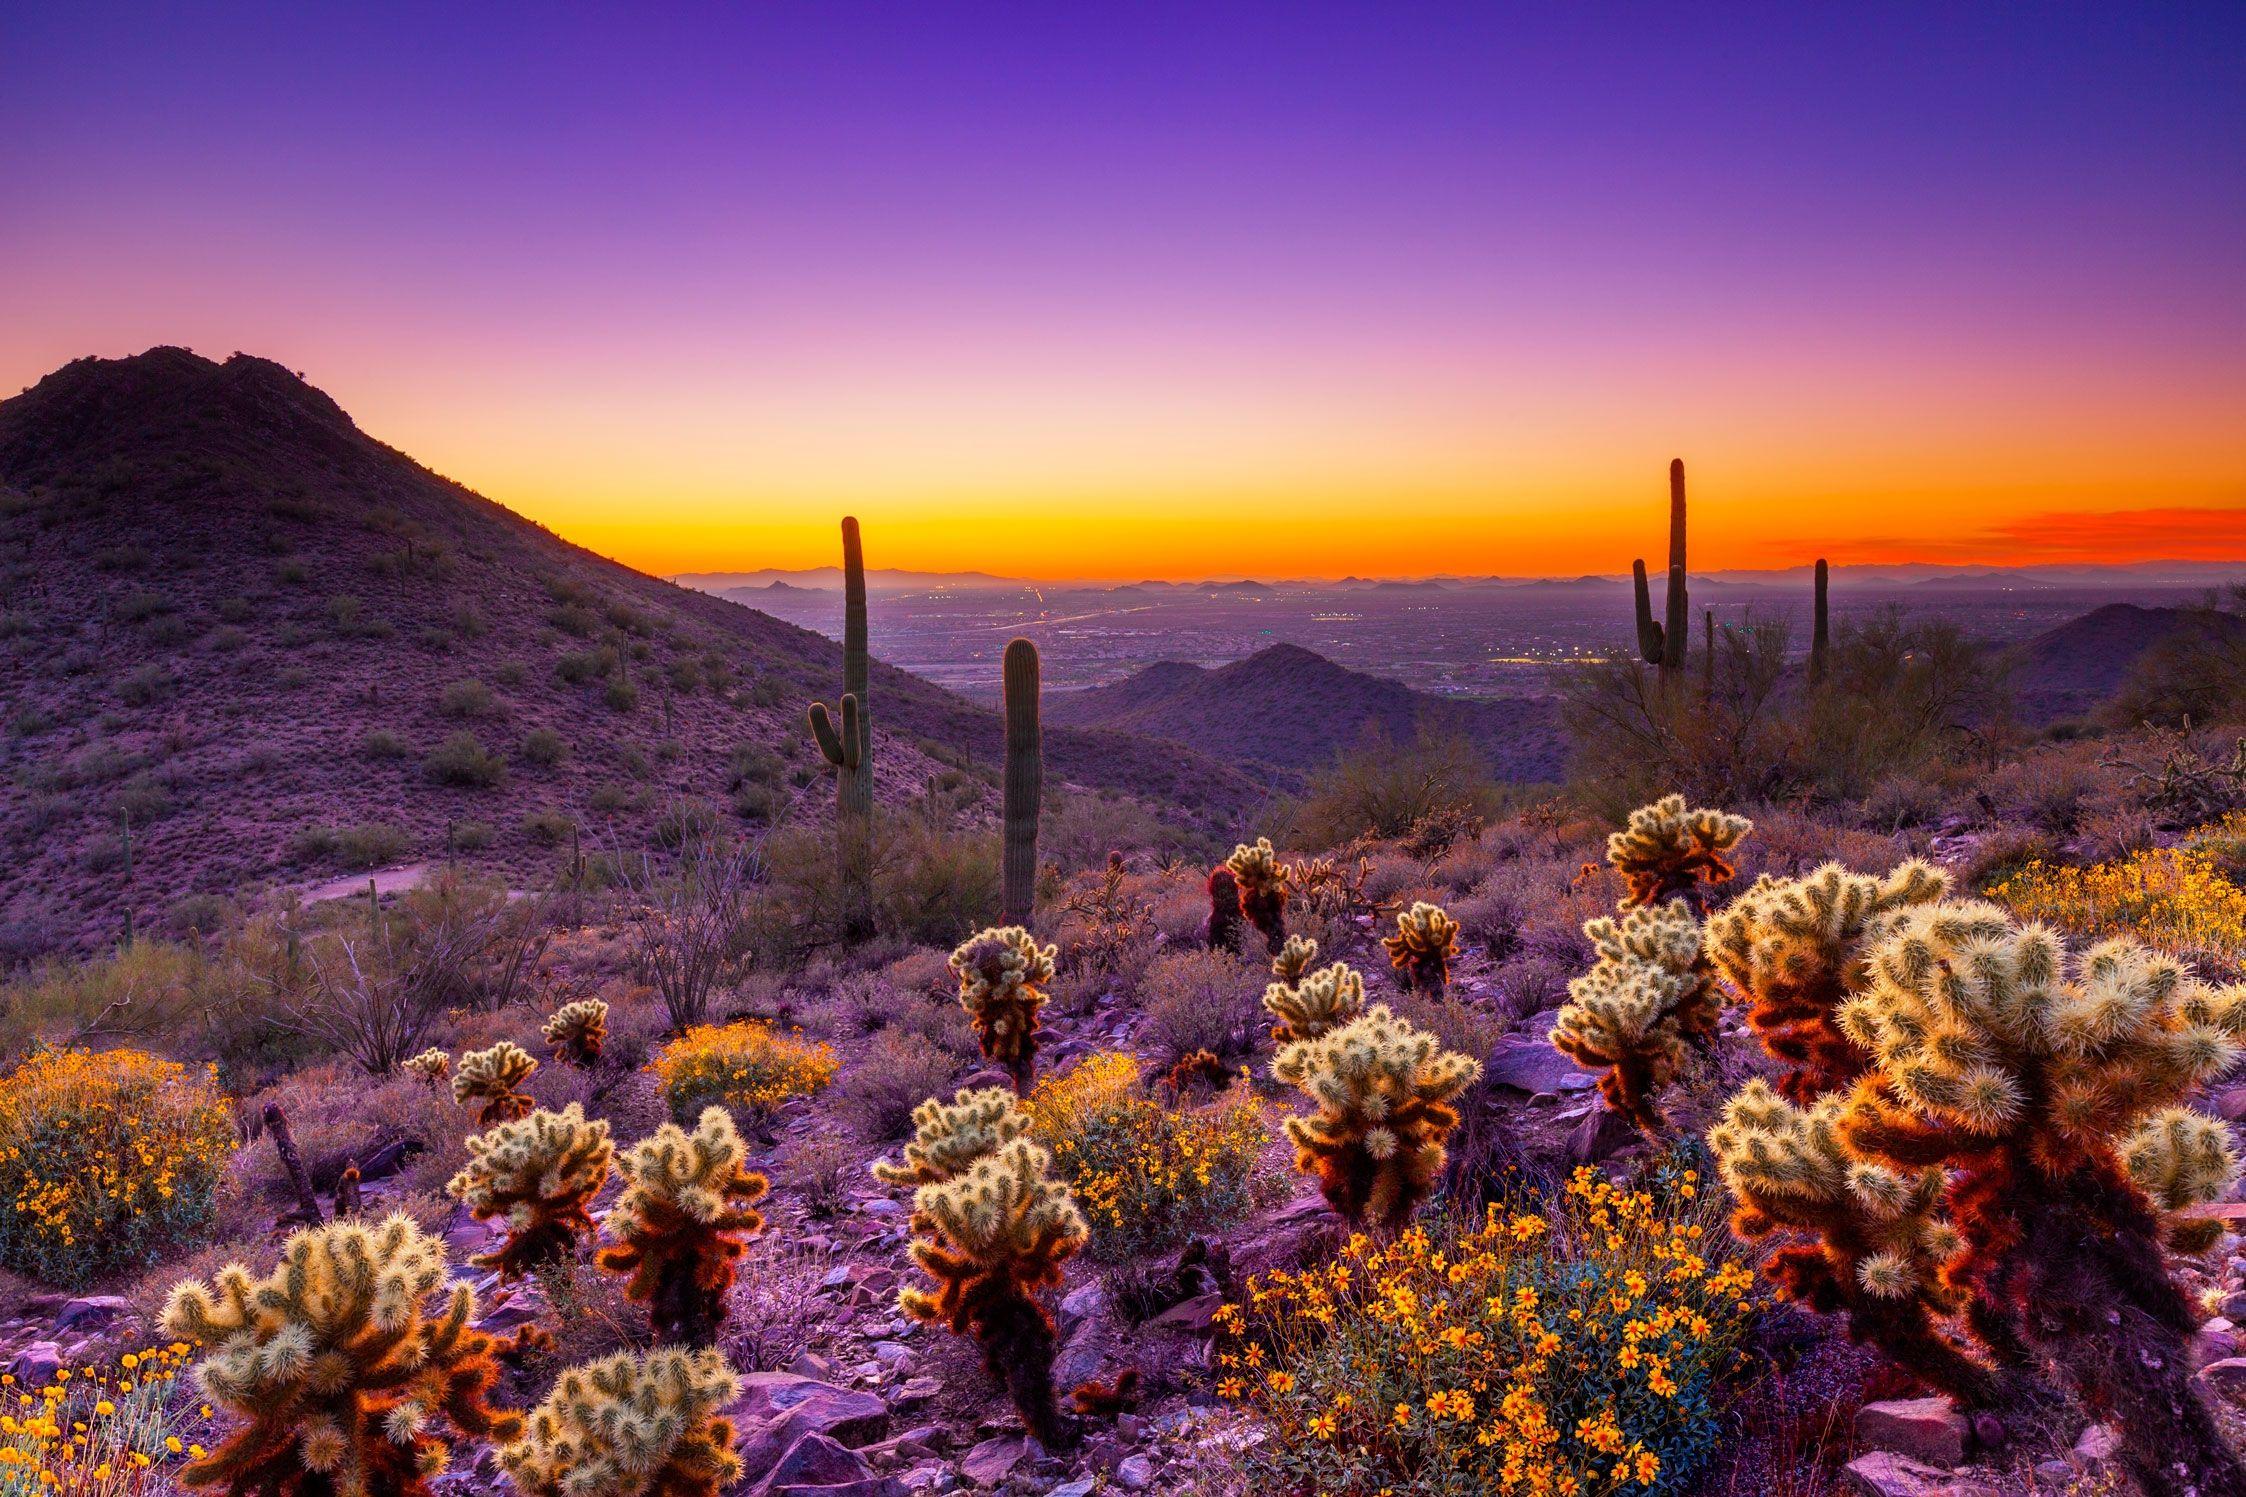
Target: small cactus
(1296, 956)
(1421, 950)
(631, 1425)
(949, 1138)
(345, 1363)
(1002, 975)
(1384, 1092)
(494, 1078)
(1641, 1009)
(1262, 880)
(577, 1031)
(537, 1175)
(1669, 852)
(432, 1067)
(1224, 910)
(685, 1215)
(991, 1240)
(1323, 1001)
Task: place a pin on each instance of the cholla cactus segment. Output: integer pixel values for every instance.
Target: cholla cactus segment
(1668, 850)
(687, 1208)
(2181, 1159)
(1384, 1093)
(1640, 1011)
(345, 1364)
(577, 1031)
(990, 1240)
(1296, 956)
(1002, 975)
(494, 1078)
(432, 1066)
(950, 1138)
(538, 1175)
(1421, 950)
(1224, 910)
(1323, 1001)
(631, 1425)
(1263, 885)
(1794, 947)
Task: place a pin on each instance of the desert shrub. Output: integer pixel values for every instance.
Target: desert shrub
(353, 848)
(2175, 898)
(1574, 1343)
(745, 1066)
(1147, 1176)
(145, 684)
(381, 743)
(621, 695)
(684, 822)
(1385, 789)
(690, 922)
(468, 698)
(2196, 674)
(339, 1117)
(900, 1070)
(462, 760)
(932, 882)
(112, 1431)
(1201, 1000)
(544, 747)
(548, 828)
(149, 988)
(107, 1160)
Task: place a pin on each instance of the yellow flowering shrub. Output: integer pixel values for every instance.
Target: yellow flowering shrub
(107, 1160)
(1147, 1176)
(107, 1432)
(744, 1066)
(2175, 898)
(1570, 1348)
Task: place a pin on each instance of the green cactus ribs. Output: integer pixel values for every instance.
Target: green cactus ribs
(845, 740)
(1024, 784)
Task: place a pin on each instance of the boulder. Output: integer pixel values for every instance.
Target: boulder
(1927, 1430)
(90, 1313)
(36, 1365)
(2225, 1377)
(1601, 1135)
(841, 1414)
(816, 1466)
(994, 1460)
(1528, 1063)
(1883, 1473)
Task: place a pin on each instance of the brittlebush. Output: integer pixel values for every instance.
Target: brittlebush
(746, 1066)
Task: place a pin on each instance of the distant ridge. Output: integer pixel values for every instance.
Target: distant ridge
(2078, 666)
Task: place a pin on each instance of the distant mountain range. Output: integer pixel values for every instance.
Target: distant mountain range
(1295, 709)
(2077, 667)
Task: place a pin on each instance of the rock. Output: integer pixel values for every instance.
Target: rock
(1528, 1063)
(1196, 1314)
(1083, 1301)
(1928, 1430)
(2226, 1377)
(1601, 1135)
(90, 1313)
(36, 1365)
(816, 1466)
(916, 1393)
(1883, 1473)
(2096, 1445)
(1134, 1473)
(841, 1414)
(1082, 1487)
(991, 1462)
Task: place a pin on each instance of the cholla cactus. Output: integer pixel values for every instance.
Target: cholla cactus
(1224, 910)
(1262, 879)
(577, 1031)
(1323, 1001)
(2181, 1159)
(992, 1239)
(1669, 852)
(1294, 959)
(687, 1209)
(431, 1066)
(342, 1367)
(1384, 1093)
(1880, 1240)
(494, 1077)
(631, 1426)
(1002, 975)
(1636, 1014)
(538, 1175)
(1425, 941)
(950, 1138)
(1794, 946)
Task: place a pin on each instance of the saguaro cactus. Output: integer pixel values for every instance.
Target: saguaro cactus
(848, 746)
(1677, 633)
(1025, 781)
(1820, 634)
(1650, 643)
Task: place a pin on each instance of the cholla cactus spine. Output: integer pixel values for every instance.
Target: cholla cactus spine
(950, 1138)
(1384, 1092)
(1262, 880)
(494, 1077)
(1640, 1011)
(1668, 851)
(341, 1367)
(1425, 941)
(631, 1425)
(687, 1208)
(577, 1032)
(432, 1067)
(991, 1239)
(537, 1175)
(1323, 1001)
(1002, 975)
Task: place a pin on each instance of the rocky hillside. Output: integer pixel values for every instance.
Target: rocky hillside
(281, 652)
(1295, 709)
(2078, 666)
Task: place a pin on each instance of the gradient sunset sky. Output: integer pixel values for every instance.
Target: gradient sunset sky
(1189, 290)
